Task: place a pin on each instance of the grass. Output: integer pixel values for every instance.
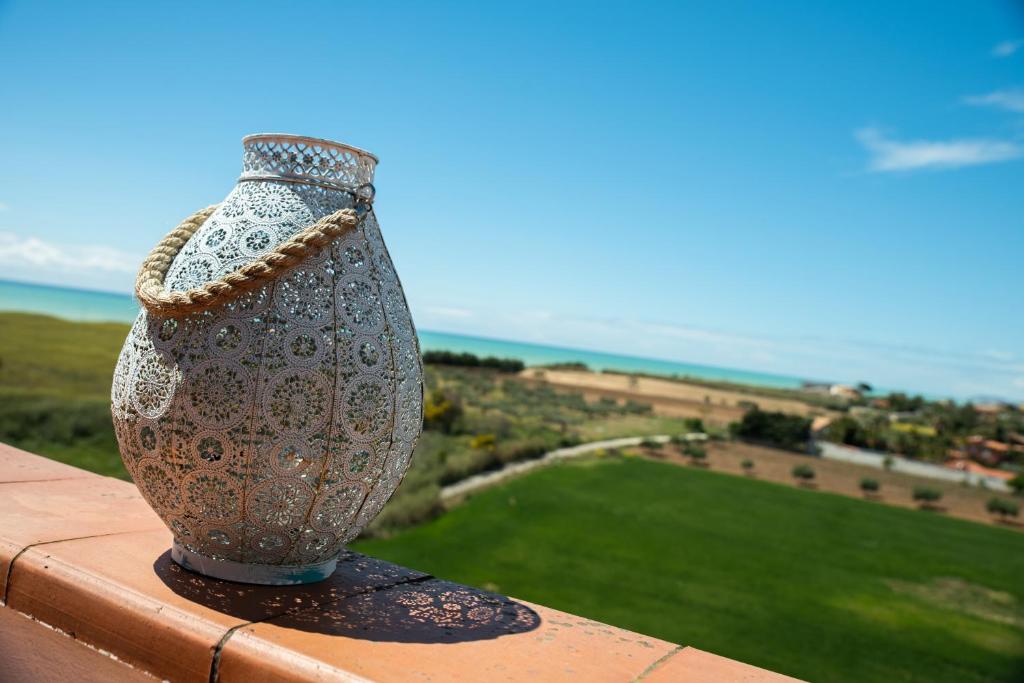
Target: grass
(44, 355)
(814, 585)
(55, 389)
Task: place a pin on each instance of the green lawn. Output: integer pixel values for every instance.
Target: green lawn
(809, 584)
(55, 389)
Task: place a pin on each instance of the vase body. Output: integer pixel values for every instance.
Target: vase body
(267, 432)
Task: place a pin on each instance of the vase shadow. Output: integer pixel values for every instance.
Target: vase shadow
(366, 599)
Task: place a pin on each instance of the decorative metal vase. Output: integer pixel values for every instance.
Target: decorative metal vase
(269, 430)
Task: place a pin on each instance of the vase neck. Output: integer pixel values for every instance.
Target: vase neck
(296, 159)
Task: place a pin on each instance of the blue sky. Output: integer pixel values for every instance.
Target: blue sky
(830, 190)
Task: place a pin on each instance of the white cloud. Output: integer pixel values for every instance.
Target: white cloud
(888, 154)
(1010, 100)
(21, 251)
(1007, 48)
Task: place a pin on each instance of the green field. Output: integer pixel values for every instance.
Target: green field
(817, 586)
(55, 389)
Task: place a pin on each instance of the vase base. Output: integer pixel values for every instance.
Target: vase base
(244, 572)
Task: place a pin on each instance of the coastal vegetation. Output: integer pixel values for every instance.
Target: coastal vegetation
(478, 415)
(469, 360)
(929, 430)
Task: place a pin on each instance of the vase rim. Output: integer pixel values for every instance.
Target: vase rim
(301, 159)
(307, 140)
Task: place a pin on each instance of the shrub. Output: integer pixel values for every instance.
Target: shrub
(529, 448)
(472, 361)
(926, 495)
(803, 473)
(651, 443)
(694, 424)
(869, 485)
(1017, 484)
(637, 408)
(695, 452)
(441, 410)
(747, 465)
(1003, 508)
(790, 432)
(569, 365)
(414, 507)
(483, 441)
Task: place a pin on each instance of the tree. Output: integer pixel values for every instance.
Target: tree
(804, 474)
(791, 432)
(1003, 508)
(869, 486)
(694, 424)
(698, 456)
(927, 496)
(1017, 484)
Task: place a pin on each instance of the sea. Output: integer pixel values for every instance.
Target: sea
(88, 305)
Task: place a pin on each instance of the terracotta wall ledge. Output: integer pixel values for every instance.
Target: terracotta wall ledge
(88, 587)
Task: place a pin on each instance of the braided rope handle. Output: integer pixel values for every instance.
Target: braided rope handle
(149, 285)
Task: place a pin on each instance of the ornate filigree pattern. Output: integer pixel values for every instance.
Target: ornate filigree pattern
(273, 429)
(306, 159)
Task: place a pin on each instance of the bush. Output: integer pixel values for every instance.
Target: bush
(637, 408)
(747, 465)
(790, 432)
(472, 361)
(803, 473)
(569, 365)
(441, 410)
(1017, 484)
(1003, 508)
(413, 507)
(651, 443)
(926, 495)
(868, 485)
(695, 452)
(483, 441)
(529, 448)
(694, 424)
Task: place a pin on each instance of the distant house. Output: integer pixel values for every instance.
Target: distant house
(837, 390)
(845, 391)
(974, 468)
(989, 451)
